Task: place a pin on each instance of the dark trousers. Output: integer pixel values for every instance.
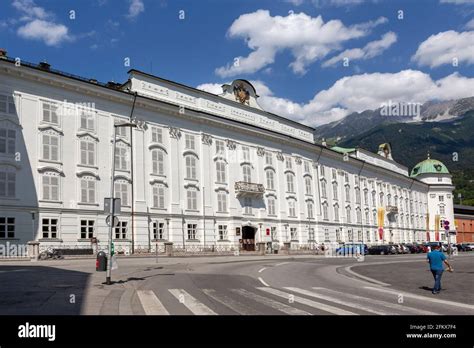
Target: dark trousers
(437, 274)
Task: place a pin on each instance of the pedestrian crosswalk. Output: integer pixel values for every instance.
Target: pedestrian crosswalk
(268, 300)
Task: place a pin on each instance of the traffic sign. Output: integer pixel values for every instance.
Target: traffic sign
(446, 225)
(117, 205)
(116, 220)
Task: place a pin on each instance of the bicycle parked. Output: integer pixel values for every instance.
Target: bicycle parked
(51, 253)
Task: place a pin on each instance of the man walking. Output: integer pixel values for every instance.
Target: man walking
(436, 259)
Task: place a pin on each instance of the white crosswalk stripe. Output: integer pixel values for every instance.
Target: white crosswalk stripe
(150, 303)
(231, 303)
(422, 298)
(191, 303)
(367, 304)
(270, 303)
(318, 305)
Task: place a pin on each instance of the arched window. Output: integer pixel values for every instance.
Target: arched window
(291, 208)
(247, 173)
(220, 172)
(88, 189)
(190, 167)
(325, 211)
(290, 184)
(270, 179)
(121, 191)
(271, 206)
(336, 212)
(348, 214)
(159, 196)
(334, 190)
(51, 186)
(157, 158)
(308, 186)
(222, 202)
(323, 189)
(309, 208)
(191, 196)
(357, 190)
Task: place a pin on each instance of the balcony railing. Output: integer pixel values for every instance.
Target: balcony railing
(392, 209)
(249, 189)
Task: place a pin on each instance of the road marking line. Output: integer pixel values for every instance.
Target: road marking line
(270, 303)
(357, 275)
(125, 304)
(261, 270)
(191, 303)
(238, 307)
(310, 303)
(150, 303)
(262, 281)
(281, 263)
(371, 301)
(423, 298)
(338, 301)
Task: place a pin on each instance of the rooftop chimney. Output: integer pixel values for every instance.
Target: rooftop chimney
(112, 84)
(44, 66)
(3, 53)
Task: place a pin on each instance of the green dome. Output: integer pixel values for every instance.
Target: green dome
(429, 166)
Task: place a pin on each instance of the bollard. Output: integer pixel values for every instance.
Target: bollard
(169, 248)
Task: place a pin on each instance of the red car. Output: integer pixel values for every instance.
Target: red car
(424, 248)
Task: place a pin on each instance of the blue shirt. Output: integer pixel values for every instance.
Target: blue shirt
(436, 259)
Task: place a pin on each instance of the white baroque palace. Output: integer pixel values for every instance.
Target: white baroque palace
(202, 169)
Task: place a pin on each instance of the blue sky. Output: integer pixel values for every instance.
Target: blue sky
(295, 59)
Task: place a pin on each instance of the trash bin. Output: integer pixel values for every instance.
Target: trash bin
(101, 262)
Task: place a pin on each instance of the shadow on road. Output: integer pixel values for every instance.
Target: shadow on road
(41, 290)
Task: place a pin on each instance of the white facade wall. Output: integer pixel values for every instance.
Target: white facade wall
(31, 89)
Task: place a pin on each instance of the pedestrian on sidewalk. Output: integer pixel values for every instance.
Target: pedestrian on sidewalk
(436, 259)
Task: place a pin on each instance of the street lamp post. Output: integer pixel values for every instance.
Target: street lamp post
(112, 203)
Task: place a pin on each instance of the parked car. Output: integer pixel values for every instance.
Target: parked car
(415, 248)
(405, 249)
(382, 250)
(471, 246)
(463, 247)
(423, 248)
(431, 245)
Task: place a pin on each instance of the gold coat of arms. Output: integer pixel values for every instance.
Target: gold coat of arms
(241, 94)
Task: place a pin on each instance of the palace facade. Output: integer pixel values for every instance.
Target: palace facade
(199, 169)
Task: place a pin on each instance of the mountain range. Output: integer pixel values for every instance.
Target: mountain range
(445, 129)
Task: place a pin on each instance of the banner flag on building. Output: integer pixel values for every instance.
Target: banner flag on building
(381, 221)
(437, 221)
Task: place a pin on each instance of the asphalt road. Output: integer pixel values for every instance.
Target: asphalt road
(307, 285)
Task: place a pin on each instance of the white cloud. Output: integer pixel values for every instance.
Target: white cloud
(295, 2)
(337, 3)
(307, 38)
(361, 92)
(214, 88)
(39, 24)
(457, 2)
(443, 47)
(470, 25)
(136, 7)
(30, 10)
(370, 50)
(52, 34)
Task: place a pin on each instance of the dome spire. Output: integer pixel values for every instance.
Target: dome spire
(428, 156)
